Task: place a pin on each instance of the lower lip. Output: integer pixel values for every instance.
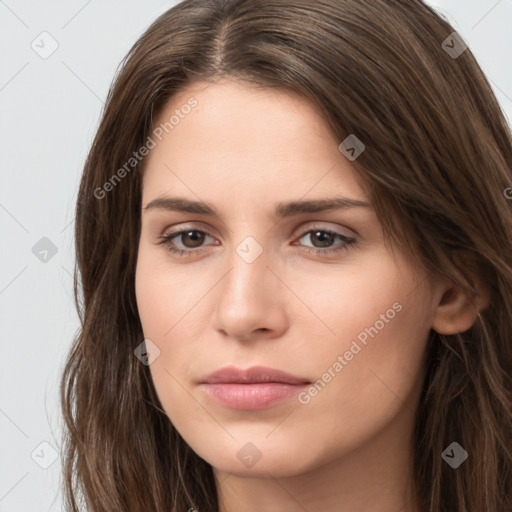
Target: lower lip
(252, 397)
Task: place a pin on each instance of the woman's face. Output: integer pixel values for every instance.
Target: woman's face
(270, 279)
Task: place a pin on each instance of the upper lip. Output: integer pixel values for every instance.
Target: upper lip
(255, 374)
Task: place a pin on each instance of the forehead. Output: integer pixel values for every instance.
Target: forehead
(236, 135)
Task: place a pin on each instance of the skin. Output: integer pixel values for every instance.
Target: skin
(243, 150)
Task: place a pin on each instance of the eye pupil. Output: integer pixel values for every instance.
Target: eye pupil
(197, 240)
(325, 238)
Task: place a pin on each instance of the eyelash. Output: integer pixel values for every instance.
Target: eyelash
(348, 241)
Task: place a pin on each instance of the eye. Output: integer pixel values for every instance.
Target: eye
(192, 238)
(325, 238)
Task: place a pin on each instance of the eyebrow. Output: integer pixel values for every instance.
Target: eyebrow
(180, 204)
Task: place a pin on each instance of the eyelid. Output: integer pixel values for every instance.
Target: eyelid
(188, 226)
(324, 226)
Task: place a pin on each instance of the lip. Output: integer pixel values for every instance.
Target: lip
(254, 388)
(253, 375)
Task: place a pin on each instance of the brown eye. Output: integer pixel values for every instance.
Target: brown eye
(192, 239)
(323, 239)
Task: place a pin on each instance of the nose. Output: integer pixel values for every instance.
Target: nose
(250, 298)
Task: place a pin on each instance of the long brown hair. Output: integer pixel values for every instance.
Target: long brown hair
(437, 164)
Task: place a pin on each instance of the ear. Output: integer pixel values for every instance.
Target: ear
(456, 311)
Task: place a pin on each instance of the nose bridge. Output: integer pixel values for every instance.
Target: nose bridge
(248, 265)
(246, 298)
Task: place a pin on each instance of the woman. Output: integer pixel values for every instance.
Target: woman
(293, 239)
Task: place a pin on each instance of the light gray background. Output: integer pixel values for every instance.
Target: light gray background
(49, 111)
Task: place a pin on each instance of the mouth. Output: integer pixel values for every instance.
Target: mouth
(252, 389)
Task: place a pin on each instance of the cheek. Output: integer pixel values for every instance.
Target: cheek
(375, 366)
(343, 305)
(371, 361)
(164, 298)
(165, 304)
